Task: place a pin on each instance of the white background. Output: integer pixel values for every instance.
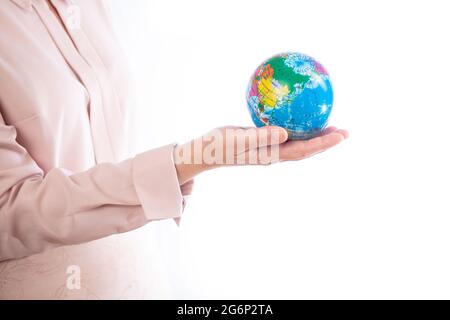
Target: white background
(368, 219)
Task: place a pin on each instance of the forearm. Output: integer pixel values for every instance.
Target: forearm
(42, 211)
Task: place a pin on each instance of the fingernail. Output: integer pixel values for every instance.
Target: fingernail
(280, 134)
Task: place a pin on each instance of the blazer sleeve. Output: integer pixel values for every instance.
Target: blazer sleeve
(39, 211)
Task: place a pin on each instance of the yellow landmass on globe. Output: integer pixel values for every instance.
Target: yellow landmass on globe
(270, 93)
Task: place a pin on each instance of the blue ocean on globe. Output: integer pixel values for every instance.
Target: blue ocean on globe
(293, 91)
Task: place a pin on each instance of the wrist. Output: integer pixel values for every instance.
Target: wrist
(187, 164)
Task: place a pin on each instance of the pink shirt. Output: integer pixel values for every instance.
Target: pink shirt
(68, 180)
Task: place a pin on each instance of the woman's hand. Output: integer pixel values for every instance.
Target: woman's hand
(229, 146)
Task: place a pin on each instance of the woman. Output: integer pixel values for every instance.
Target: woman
(68, 182)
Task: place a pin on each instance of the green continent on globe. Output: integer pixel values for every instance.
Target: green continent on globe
(293, 91)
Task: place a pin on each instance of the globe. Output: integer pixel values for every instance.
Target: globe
(293, 91)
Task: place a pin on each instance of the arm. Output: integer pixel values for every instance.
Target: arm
(229, 146)
(40, 211)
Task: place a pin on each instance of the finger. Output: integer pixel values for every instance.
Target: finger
(254, 138)
(187, 187)
(294, 150)
(188, 183)
(274, 134)
(298, 149)
(234, 127)
(344, 132)
(327, 131)
(263, 156)
(323, 142)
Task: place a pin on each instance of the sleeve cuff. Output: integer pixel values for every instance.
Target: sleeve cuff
(156, 182)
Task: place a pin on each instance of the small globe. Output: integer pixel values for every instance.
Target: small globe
(293, 91)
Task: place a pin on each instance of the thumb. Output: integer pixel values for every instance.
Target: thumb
(264, 136)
